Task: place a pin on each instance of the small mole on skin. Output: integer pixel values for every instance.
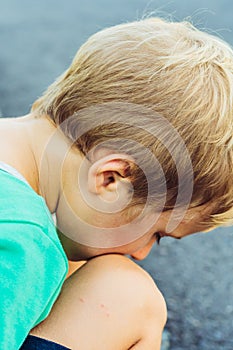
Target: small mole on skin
(106, 309)
(82, 300)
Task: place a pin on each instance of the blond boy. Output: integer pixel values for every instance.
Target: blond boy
(132, 143)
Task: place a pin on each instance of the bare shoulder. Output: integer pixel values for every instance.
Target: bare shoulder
(117, 267)
(129, 287)
(110, 303)
(122, 274)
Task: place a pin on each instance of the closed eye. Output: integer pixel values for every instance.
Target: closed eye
(174, 237)
(159, 236)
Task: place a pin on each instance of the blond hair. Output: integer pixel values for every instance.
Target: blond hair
(175, 70)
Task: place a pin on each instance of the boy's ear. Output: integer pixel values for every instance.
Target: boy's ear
(109, 174)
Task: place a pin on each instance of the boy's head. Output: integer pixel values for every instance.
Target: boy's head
(141, 71)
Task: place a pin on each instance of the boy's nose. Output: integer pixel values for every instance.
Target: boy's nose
(142, 253)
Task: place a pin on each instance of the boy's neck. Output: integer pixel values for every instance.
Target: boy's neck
(25, 145)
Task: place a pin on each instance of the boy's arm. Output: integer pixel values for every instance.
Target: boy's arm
(108, 304)
(139, 307)
(153, 321)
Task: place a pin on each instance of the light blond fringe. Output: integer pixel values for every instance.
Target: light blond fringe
(181, 73)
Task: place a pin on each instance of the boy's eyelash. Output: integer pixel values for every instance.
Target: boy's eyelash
(158, 237)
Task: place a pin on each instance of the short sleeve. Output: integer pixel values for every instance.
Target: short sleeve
(32, 270)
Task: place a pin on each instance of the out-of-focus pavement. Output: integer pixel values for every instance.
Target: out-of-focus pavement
(38, 40)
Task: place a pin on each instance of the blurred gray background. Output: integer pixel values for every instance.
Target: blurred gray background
(38, 40)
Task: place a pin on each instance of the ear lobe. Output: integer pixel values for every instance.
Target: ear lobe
(107, 173)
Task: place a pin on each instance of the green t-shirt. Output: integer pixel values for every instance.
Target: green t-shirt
(33, 264)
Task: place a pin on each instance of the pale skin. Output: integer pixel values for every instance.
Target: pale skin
(120, 307)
